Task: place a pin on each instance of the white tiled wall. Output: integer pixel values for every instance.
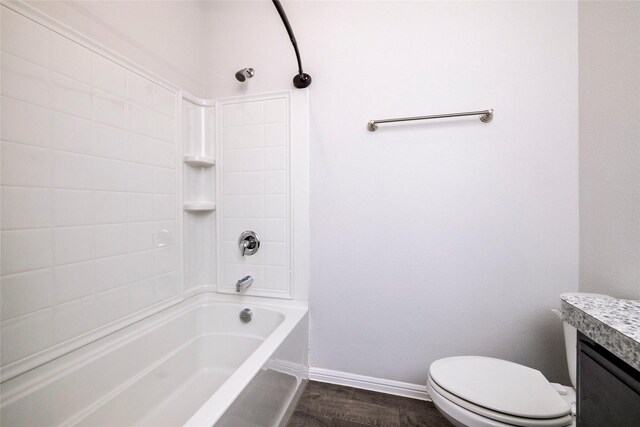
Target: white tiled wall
(88, 180)
(254, 166)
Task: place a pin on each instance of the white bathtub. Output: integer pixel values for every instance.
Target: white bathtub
(194, 364)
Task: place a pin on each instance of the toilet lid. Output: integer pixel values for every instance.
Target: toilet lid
(500, 386)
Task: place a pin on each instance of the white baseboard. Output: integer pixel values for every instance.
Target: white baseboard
(398, 388)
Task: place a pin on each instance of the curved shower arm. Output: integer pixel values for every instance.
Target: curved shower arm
(301, 80)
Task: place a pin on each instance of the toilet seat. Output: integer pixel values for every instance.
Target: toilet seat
(499, 390)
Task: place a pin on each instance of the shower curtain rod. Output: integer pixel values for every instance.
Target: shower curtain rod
(302, 79)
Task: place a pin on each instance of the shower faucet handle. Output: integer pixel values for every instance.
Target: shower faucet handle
(249, 243)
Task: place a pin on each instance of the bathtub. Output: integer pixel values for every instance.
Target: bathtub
(194, 364)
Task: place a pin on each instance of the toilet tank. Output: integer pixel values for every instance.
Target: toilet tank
(571, 336)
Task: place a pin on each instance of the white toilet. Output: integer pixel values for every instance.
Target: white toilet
(477, 391)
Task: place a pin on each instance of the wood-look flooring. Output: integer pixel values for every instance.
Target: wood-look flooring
(329, 405)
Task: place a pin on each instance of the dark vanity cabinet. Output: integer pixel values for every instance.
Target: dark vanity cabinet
(608, 388)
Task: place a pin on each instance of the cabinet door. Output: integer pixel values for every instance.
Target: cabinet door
(608, 388)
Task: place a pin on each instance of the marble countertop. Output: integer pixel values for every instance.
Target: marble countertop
(612, 323)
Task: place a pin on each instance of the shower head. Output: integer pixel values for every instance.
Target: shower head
(244, 74)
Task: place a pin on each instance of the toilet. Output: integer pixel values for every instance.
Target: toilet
(477, 391)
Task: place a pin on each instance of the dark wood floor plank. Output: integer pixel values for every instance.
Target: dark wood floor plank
(330, 405)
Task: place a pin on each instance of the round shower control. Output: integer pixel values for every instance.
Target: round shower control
(249, 243)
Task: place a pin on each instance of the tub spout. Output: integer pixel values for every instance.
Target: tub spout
(244, 283)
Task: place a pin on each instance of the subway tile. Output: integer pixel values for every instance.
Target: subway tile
(231, 138)
(231, 115)
(72, 170)
(109, 76)
(164, 101)
(25, 38)
(253, 136)
(25, 123)
(109, 142)
(275, 254)
(74, 318)
(24, 207)
(140, 207)
(71, 133)
(275, 110)
(70, 58)
(275, 159)
(164, 181)
(24, 80)
(26, 335)
(142, 120)
(253, 113)
(111, 240)
(164, 128)
(73, 244)
(253, 183)
(166, 260)
(164, 207)
(231, 273)
(275, 135)
(25, 250)
(254, 206)
(275, 230)
(232, 228)
(231, 252)
(73, 281)
(140, 90)
(25, 293)
(111, 305)
(111, 272)
(232, 183)
(166, 286)
(140, 236)
(110, 175)
(164, 155)
(109, 207)
(275, 278)
(253, 160)
(72, 207)
(255, 271)
(140, 178)
(26, 166)
(110, 110)
(233, 206)
(140, 148)
(275, 182)
(70, 96)
(232, 161)
(275, 206)
(141, 295)
(140, 266)
(164, 233)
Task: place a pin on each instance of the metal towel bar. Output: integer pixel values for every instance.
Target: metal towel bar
(485, 117)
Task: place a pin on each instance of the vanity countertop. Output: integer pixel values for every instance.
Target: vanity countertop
(612, 323)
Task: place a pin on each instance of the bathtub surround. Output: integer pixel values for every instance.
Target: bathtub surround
(89, 192)
(610, 147)
(612, 323)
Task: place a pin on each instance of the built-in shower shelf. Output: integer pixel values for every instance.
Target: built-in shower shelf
(200, 207)
(199, 161)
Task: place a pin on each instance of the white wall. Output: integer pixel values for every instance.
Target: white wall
(166, 37)
(428, 239)
(610, 148)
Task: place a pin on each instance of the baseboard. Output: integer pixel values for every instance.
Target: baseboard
(398, 388)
